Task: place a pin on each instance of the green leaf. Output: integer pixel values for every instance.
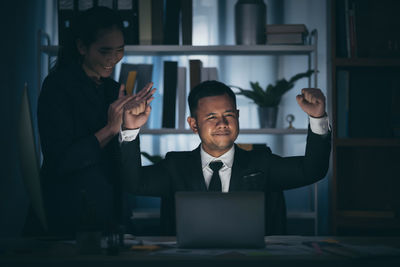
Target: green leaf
(273, 92)
(301, 75)
(257, 89)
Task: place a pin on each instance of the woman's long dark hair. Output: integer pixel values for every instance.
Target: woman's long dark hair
(86, 27)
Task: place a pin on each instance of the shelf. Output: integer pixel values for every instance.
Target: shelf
(242, 131)
(367, 62)
(301, 215)
(367, 219)
(368, 223)
(164, 50)
(367, 142)
(365, 214)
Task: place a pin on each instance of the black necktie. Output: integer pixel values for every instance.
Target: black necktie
(215, 182)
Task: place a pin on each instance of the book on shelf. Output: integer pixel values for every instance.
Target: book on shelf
(286, 33)
(172, 12)
(145, 27)
(209, 74)
(128, 10)
(169, 94)
(378, 33)
(286, 28)
(352, 33)
(157, 22)
(162, 21)
(106, 3)
(341, 30)
(346, 29)
(195, 66)
(186, 21)
(130, 82)
(144, 74)
(181, 98)
(286, 38)
(84, 5)
(367, 28)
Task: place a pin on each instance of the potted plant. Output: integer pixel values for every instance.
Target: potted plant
(268, 100)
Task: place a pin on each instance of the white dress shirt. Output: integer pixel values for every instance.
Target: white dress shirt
(224, 172)
(127, 135)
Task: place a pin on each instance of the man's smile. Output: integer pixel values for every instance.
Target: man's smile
(223, 133)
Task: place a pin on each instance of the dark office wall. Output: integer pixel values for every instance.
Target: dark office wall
(20, 21)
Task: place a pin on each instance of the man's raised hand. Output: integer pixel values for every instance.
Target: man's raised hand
(137, 109)
(312, 102)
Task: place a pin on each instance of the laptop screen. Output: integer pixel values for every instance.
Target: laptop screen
(220, 220)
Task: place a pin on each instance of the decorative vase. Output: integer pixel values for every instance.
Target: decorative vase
(267, 116)
(250, 22)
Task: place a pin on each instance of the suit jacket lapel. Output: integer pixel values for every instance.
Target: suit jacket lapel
(95, 112)
(239, 165)
(195, 174)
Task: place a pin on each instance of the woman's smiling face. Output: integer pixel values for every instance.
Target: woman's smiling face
(100, 58)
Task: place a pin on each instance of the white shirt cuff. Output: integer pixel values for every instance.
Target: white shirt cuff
(127, 135)
(319, 125)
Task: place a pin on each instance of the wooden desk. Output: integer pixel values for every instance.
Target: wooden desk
(279, 251)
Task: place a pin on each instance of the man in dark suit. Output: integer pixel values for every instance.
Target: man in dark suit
(217, 164)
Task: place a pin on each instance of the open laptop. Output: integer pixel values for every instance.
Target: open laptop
(220, 220)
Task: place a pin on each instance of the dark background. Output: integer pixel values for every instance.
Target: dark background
(20, 21)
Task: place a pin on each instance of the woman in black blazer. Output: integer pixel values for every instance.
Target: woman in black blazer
(80, 112)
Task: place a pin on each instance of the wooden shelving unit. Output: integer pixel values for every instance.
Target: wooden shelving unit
(366, 155)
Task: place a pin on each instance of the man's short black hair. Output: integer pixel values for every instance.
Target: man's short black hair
(205, 89)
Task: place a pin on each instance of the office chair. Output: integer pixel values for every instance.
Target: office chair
(29, 162)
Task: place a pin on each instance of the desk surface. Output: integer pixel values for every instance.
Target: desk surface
(279, 251)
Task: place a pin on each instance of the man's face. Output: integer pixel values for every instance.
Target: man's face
(100, 58)
(217, 124)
